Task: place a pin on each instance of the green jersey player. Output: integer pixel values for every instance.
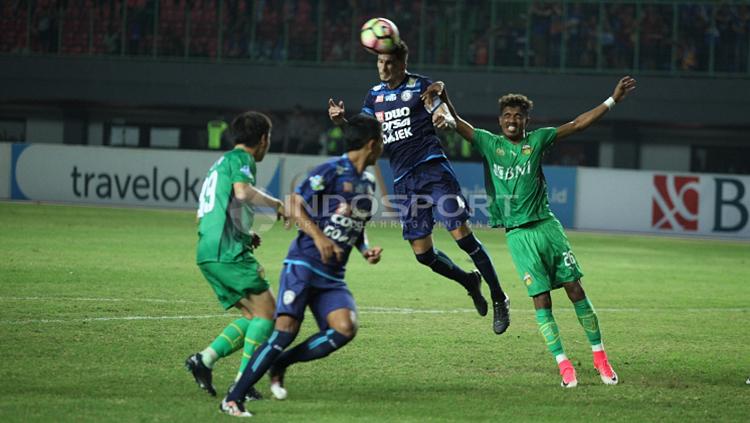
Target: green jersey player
(226, 244)
(518, 202)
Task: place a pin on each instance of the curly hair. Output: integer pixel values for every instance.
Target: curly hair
(516, 100)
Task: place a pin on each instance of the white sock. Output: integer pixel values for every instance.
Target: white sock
(597, 347)
(209, 357)
(560, 358)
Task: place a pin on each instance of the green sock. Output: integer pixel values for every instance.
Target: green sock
(257, 333)
(589, 321)
(548, 329)
(228, 341)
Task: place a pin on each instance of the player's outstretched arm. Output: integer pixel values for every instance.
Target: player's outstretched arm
(336, 112)
(249, 194)
(583, 121)
(326, 247)
(464, 128)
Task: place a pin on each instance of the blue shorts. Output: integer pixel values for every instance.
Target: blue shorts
(429, 193)
(301, 286)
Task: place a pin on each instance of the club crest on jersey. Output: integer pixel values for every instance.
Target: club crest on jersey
(406, 95)
(316, 183)
(526, 150)
(379, 99)
(288, 297)
(500, 152)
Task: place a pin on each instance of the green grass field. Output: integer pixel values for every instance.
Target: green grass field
(99, 308)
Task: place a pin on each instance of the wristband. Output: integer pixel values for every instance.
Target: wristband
(610, 103)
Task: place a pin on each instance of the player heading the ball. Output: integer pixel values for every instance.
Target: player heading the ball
(425, 186)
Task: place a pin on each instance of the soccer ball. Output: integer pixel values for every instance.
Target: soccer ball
(379, 36)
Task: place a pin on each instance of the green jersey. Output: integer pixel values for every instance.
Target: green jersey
(224, 223)
(514, 180)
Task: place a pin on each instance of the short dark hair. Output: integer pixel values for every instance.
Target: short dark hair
(360, 129)
(248, 128)
(516, 100)
(401, 52)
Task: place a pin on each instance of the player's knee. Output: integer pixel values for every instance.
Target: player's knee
(575, 291)
(462, 232)
(543, 300)
(347, 328)
(427, 258)
(286, 323)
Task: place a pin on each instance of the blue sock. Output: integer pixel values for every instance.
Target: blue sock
(442, 265)
(317, 346)
(262, 359)
(482, 260)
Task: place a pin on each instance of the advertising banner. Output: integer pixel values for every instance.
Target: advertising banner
(118, 176)
(663, 202)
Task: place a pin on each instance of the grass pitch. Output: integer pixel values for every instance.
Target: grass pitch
(99, 308)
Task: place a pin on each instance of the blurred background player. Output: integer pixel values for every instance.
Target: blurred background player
(536, 240)
(425, 187)
(226, 244)
(331, 208)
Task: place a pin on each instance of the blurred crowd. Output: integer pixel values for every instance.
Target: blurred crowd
(663, 36)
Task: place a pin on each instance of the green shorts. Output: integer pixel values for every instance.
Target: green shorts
(542, 256)
(234, 281)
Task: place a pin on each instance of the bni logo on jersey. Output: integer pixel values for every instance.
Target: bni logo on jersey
(675, 202)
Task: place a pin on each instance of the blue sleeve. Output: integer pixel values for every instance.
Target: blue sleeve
(319, 181)
(367, 107)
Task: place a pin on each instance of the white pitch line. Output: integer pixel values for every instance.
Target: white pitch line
(366, 310)
(96, 299)
(386, 310)
(106, 319)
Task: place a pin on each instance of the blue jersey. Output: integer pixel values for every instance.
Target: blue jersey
(408, 133)
(340, 201)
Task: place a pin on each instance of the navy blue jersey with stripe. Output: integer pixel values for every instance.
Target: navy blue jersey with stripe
(408, 133)
(340, 201)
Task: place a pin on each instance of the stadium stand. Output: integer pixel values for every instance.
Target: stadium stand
(674, 37)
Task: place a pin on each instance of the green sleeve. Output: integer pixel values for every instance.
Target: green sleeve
(241, 170)
(483, 141)
(545, 137)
